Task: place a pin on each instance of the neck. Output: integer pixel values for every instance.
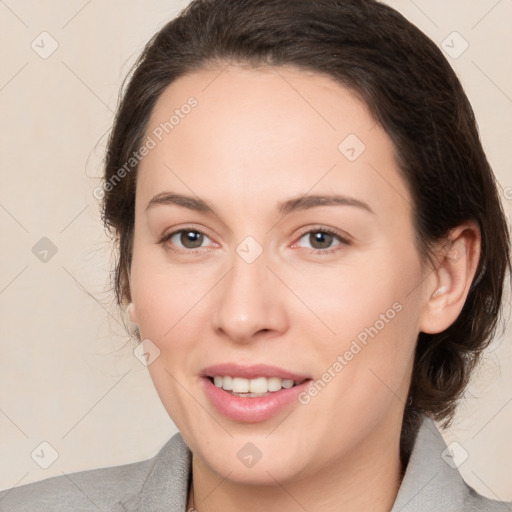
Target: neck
(366, 478)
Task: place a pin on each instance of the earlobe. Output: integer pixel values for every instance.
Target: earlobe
(130, 309)
(450, 281)
(132, 315)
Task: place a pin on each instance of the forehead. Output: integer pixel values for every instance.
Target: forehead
(258, 132)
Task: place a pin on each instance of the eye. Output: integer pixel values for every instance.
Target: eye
(322, 240)
(186, 239)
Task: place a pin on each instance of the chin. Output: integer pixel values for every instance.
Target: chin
(261, 473)
(254, 460)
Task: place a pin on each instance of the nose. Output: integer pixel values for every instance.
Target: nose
(249, 302)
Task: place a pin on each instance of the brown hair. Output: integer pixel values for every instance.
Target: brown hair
(410, 89)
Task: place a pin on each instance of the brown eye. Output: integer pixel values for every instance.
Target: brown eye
(320, 239)
(191, 239)
(185, 239)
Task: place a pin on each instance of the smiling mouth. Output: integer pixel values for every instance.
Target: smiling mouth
(253, 388)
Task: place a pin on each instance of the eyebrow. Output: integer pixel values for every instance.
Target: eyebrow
(284, 208)
(311, 201)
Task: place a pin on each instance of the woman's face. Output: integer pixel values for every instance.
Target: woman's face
(327, 290)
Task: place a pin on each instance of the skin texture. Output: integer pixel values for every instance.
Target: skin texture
(258, 137)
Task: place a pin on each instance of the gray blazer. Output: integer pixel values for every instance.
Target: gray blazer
(160, 484)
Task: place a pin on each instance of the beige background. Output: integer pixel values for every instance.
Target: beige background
(68, 377)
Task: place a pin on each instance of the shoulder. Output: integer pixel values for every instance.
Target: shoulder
(95, 489)
(115, 488)
(432, 480)
(477, 503)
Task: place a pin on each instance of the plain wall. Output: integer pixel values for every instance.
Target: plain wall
(68, 377)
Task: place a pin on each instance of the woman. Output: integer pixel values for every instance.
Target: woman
(312, 252)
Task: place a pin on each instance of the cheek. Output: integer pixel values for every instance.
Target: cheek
(366, 367)
(369, 318)
(165, 294)
(362, 290)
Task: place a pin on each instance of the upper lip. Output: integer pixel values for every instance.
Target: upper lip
(251, 372)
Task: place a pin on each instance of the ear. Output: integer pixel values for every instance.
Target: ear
(132, 314)
(448, 285)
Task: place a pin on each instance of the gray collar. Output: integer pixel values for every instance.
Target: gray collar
(430, 483)
(432, 480)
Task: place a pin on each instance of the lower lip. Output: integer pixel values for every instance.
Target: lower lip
(251, 410)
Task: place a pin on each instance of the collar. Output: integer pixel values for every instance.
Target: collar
(429, 483)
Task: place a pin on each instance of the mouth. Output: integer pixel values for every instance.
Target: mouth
(252, 393)
(253, 388)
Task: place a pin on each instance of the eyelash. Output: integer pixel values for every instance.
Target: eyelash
(315, 229)
(328, 231)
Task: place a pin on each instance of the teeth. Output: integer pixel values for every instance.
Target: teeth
(287, 383)
(240, 385)
(259, 385)
(227, 383)
(274, 384)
